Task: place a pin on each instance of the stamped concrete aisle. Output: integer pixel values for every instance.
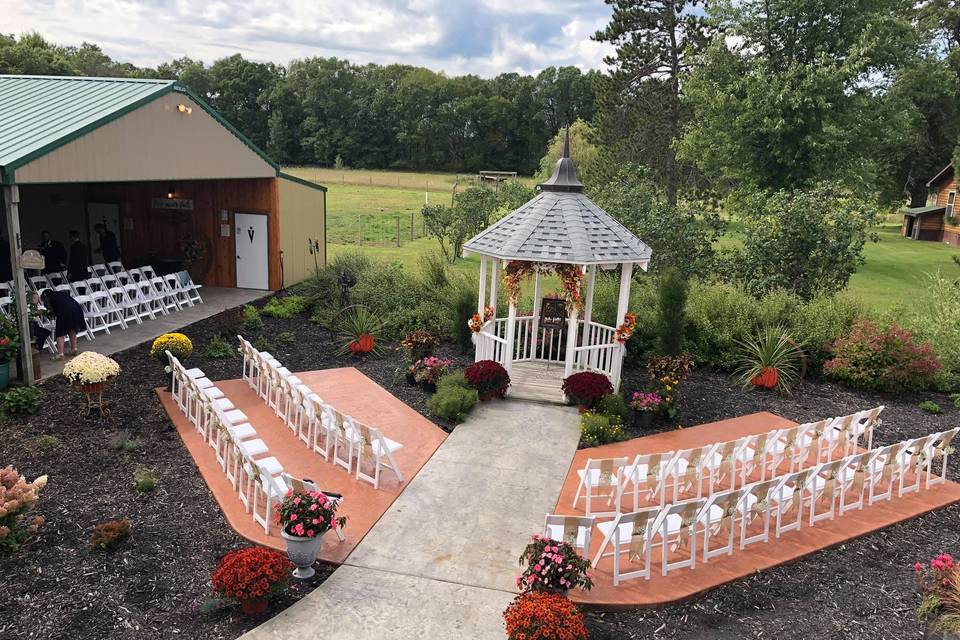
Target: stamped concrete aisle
(441, 562)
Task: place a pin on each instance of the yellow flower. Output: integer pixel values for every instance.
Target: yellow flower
(176, 343)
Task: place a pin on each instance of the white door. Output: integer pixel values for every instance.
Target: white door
(251, 242)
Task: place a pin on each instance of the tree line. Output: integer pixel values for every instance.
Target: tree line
(328, 111)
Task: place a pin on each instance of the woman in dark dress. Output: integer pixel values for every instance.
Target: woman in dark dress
(69, 316)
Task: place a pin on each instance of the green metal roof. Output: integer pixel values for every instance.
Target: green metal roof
(303, 181)
(41, 113)
(922, 211)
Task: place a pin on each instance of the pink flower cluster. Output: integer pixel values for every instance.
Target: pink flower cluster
(307, 514)
(553, 565)
(645, 400)
(17, 498)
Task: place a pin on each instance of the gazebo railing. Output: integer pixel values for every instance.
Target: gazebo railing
(490, 346)
(601, 353)
(546, 344)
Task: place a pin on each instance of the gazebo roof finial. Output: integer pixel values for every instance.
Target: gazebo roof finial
(564, 176)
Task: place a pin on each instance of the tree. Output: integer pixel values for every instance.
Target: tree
(671, 320)
(641, 113)
(452, 226)
(808, 241)
(680, 236)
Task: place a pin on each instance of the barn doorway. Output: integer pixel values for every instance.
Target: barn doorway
(253, 270)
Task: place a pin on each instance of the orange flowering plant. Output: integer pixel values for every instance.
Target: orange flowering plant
(544, 615)
(251, 573)
(625, 330)
(571, 279)
(476, 322)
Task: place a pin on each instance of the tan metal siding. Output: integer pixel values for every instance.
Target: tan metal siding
(301, 218)
(154, 142)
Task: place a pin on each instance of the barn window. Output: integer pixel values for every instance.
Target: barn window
(950, 198)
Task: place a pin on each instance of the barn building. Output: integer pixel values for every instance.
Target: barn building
(938, 221)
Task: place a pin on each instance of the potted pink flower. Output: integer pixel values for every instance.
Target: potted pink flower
(644, 404)
(304, 517)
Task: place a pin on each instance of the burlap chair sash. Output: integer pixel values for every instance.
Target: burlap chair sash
(687, 520)
(638, 538)
(691, 473)
(571, 527)
(654, 466)
(606, 473)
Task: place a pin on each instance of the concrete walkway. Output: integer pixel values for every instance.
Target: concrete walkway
(442, 561)
(215, 300)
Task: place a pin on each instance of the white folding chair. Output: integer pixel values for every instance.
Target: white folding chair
(38, 283)
(941, 449)
(574, 530)
(632, 535)
(142, 307)
(176, 289)
(886, 467)
(148, 272)
(854, 476)
(367, 444)
(321, 424)
(676, 527)
(759, 495)
(649, 470)
(305, 484)
(163, 293)
(95, 319)
(154, 300)
(832, 474)
(268, 487)
(792, 494)
(113, 314)
(115, 267)
(192, 289)
(719, 519)
(918, 456)
(98, 270)
(601, 478)
(689, 468)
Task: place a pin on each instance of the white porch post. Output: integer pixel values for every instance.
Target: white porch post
(571, 341)
(494, 277)
(535, 337)
(626, 277)
(511, 334)
(588, 310)
(483, 285)
(11, 196)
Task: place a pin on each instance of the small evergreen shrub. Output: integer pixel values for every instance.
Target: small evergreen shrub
(108, 535)
(262, 343)
(453, 379)
(218, 348)
(882, 360)
(46, 443)
(22, 401)
(144, 480)
(286, 307)
(123, 442)
(597, 429)
(250, 320)
(452, 402)
(324, 317)
(930, 407)
(672, 321)
(285, 339)
(489, 378)
(956, 400)
(614, 407)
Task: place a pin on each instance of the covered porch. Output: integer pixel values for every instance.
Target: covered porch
(560, 231)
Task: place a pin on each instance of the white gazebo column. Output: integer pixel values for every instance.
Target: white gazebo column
(623, 304)
(535, 334)
(571, 341)
(483, 285)
(511, 335)
(494, 277)
(588, 312)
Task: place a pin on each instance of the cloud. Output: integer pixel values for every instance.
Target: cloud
(484, 37)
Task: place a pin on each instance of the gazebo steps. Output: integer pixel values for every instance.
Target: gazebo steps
(537, 381)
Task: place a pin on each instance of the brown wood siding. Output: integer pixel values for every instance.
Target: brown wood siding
(149, 234)
(944, 192)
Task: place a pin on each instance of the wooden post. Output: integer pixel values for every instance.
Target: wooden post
(398, 231)
(483, 284)
(588, 309)
(535, 334)
(11, 196)
(511, 333)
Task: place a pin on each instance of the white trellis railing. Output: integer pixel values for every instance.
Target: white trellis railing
(490, 346)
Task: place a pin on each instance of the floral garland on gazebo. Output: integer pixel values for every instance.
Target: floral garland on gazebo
(571, 279)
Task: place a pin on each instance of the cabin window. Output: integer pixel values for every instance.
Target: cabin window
(950, 199)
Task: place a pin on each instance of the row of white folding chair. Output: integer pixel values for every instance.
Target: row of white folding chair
(837, 487)
(341, 439)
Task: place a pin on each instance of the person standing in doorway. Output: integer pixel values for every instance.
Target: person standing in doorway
(79, 258)
(54, 254)
(108, 243)
(69, 317)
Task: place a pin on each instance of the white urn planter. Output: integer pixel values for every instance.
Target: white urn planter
(302, 552)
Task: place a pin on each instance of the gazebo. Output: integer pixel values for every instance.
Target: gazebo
(559, 231)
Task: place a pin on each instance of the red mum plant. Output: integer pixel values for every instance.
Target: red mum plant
(940, 594)
(586, 387)
(489, 378)
(542, 615)
(251, 575)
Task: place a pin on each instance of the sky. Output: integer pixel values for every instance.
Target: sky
(483, 37)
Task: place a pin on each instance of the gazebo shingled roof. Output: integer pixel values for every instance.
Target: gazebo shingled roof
(560, 224)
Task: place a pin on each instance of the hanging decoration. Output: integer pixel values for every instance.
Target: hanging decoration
(625, 330)
(571, 279)
(476, 322)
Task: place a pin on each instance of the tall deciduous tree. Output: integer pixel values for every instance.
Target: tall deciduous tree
(641, 113)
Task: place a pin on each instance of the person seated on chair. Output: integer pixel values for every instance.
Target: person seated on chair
(108, 243)
(79, 259)
(69, 316)
(54, 254)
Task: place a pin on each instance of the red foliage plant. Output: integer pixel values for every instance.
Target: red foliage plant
(489, 378)
(251, 573)
(586, 387)
(544, 615)
(882, 359)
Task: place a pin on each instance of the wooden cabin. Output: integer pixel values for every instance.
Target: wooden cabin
(938, 221)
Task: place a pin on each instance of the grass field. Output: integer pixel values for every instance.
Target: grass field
(893, 275)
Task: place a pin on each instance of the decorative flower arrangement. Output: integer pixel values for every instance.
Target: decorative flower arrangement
(9, 339)
(489, 378)
(428, 371)
(17, 499)
(668, 373)
(553, 565)
(541, 615)
(476, 322)
(251, 576)
(940, 593)
(645, 401)
(625, 330)
(571, 279)
(307, 514)
(586, 387)
(418, 344)
(91, 368)
(176, 343)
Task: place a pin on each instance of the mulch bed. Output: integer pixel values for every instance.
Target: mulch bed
(155, 584)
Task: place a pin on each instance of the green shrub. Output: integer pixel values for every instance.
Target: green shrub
(882, 360)
(395, 296)
(286, 338)
(453, 379)
(123, 442)
(355, 262)
(286, 307)
(324, 316)
(46, 443)
(262, 343)
(613, 406)
(956, 400)
(143, 480)
(461, 304)
(671, 321)
(452, 402)
(720, 316)
(250, 320)
(817, 324)
(108, 535)
(320, 289)
(597, 429)
(930, 407)
(937, 321)
(219, 348)
(22, 401)
(434, 271)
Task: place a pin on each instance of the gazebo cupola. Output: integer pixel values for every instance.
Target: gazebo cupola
(559, 231)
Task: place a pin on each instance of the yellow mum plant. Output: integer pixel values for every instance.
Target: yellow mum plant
(176, 343)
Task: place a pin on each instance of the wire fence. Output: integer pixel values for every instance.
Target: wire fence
(378, 230)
